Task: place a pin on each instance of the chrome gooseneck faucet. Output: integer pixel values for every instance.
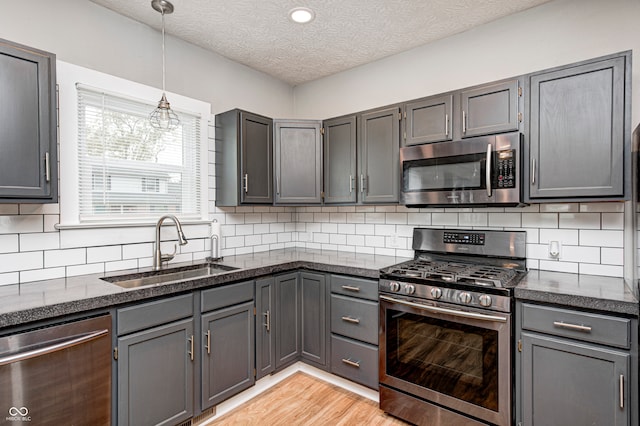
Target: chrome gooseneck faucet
(158, 257)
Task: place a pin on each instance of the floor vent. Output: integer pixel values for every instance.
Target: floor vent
(204, 416)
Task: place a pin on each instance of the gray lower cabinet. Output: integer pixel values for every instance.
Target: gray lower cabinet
(354, 329)
(579, 132)
(244, 158)
(340, 161)
(28, 119)
(155, 362)
(298, 162)
(227, 350)
(265, 332)
(287, 319)
(379, 154)
(575, 368)
(313, 300)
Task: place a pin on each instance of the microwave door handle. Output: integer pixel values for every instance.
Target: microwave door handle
(488, 171)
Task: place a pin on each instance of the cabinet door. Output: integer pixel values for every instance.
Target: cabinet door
(340, 160)
(313, 290)
(265, 342)
(227, 353)
(256, 159)
(577, 138)
(569, 383)
(28, 135)
(298, 162)
(155, 375)
(380, 156)
(428, 120)
(490, 109)
(287, 319)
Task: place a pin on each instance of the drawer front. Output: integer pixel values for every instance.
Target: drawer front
(356, 287)
(354, 318)
(355, 361)
(151, 314)
(227, 295)
(596, 328)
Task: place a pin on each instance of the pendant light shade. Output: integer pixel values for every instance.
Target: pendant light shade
(163, 117)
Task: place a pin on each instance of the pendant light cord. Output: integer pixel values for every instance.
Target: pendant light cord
(163, 60)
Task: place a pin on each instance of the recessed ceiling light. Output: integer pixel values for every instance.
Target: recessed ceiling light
(301, 15)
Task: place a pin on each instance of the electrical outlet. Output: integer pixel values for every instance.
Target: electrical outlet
(554, 249)
(394, 241)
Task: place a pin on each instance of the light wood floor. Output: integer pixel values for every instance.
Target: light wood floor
(304, 400)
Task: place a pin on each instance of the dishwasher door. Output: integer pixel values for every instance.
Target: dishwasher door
(58, 375)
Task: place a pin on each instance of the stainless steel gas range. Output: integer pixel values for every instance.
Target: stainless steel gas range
(446, 330)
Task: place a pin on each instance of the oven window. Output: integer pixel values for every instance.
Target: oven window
(455, 173)
(448, 357)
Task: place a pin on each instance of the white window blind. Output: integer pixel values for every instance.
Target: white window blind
(130, 171)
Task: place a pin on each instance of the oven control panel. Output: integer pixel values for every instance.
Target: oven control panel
(474, 238)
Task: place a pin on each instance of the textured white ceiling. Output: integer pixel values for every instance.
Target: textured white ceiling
(345, 33)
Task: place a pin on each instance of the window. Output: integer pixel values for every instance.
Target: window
(122, 169)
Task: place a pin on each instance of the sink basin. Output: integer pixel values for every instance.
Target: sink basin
(168, 275)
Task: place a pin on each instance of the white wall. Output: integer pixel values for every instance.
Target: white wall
(83, 33)
(553, 34)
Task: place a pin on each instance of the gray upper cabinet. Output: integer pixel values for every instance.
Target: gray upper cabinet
(379, 150)
(428, 120)
(244, 158)
(491, 108)
(340, 162)
(580, 131)
(298, 162)
(28, 123)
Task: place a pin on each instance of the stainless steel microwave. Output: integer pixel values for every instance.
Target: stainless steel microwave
(482, 171)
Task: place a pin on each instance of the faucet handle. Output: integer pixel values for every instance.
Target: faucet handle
(168, 256)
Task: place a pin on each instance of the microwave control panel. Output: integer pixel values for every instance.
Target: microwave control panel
(506, 169)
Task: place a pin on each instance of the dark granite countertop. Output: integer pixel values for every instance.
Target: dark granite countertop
(42, 300)
(607, 294)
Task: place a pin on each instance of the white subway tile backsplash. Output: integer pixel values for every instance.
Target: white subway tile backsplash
(276, 227)
(560, 208)
(330, 228)
(21, 224)
(9, 209)
(261, 228)
(419, 219)
(580, 220)
(9, 278)
(506, 220)
(13, 262)
(90, 268)
(339, 217)
(564, 236)
(397, 218)
(269, 238)
(472, 219)
(346, 228)
(444, 219)
(612, 256)
(244, 229)
(539, 220)
(374, 241)
(53, 258)
(104, 254)
(615, 207)
(613, 221)
(40, 208)
(233, 242)
(320, 238)
(124, 264)
(42, 274)
(550, 265)
(253, 240)
(601, 238)
(375, 217)
(338, 239)
(9, 243)
(385, 209)
(355, 217)
(355, 240)
(385, 229)
(132, 251)
(365, 229)
(603, 270)
(580, 254)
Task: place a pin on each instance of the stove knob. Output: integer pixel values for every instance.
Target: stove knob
(485, 300)
(464, 297)
(436, 293)
(394, 286)
(409, 289)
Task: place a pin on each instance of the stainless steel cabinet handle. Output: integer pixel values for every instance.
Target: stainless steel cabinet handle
(350, 184)
(575, 327)
(190, 352)
(361, 183)
(446, 124)
(47, 167)
(72, 341)
(351, 288)
(351, 320)
(267, 324)
(246, 183)
(488, 171)
(278, 186)
(533, 171)
(621, 391)
(438, 310)
(464, 122)
(208, 345)
(351, 363)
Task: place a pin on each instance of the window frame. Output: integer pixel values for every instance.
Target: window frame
(68, 75)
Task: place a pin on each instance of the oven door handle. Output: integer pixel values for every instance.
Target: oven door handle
(454, 312)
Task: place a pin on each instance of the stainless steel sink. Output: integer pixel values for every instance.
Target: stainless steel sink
(164, 276)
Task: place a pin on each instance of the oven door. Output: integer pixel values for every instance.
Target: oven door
(455, 359)
(478, 171)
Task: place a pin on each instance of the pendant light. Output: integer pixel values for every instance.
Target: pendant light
(163, 117)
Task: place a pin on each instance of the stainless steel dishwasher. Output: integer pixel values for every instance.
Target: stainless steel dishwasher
(57, 375)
